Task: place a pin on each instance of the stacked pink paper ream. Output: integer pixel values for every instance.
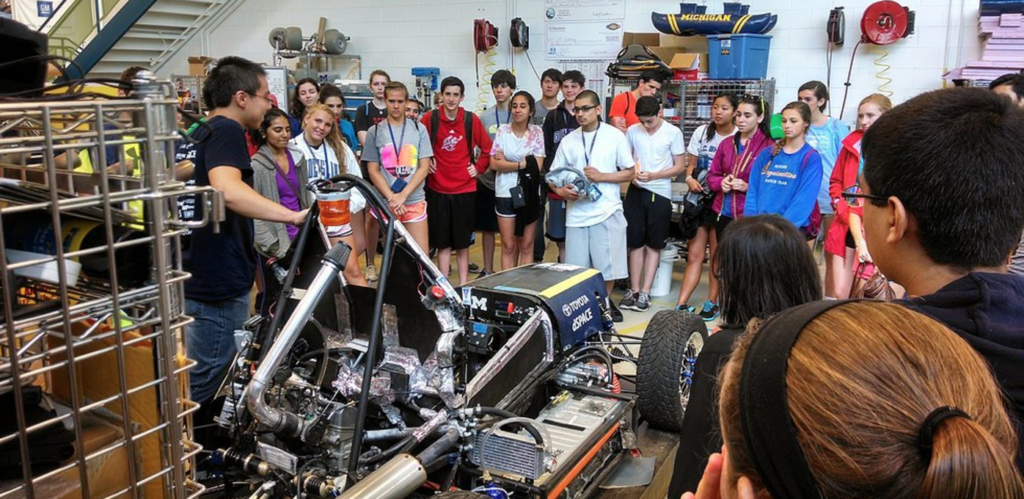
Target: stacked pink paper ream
(1003, 52)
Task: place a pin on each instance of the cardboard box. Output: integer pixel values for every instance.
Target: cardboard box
(667, 46)
(107, 472)
(686, 66)
(694, 44)
(197, 65)
(649, 39)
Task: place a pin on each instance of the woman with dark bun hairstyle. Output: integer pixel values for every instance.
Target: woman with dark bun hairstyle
(851, 400)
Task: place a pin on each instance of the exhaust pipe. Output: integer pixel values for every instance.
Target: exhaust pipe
(397, 478)
(403, 474)
(282, 422)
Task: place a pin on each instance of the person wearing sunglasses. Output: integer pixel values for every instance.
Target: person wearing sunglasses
(944, 235)
(595, 234)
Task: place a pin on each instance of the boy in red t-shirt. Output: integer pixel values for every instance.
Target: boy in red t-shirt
(451, 185)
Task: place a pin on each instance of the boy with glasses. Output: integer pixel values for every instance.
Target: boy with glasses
(557, 124)
(595, 226)
(949, 246)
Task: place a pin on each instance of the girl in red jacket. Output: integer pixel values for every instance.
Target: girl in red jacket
(844, 243)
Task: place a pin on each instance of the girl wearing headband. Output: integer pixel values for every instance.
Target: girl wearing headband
(839, 399)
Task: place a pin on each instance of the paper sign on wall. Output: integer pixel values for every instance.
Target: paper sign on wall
(583, 29)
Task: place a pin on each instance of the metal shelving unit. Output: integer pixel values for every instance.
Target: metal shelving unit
(104, 351)
(688, 102)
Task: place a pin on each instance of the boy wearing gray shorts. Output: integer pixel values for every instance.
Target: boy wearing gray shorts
(595, 233)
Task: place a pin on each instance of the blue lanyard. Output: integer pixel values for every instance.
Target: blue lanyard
(313, 149)
(395, 144)
(586, 155)
(497, 118)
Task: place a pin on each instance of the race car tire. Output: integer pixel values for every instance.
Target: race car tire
(668, 352)
(293, 38)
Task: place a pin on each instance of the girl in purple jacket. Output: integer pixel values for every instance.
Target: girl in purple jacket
(730, 170)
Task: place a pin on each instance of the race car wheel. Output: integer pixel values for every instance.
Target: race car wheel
(668, 352)
(293, 38)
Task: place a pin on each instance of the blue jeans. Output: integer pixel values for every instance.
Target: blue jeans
(211, 342)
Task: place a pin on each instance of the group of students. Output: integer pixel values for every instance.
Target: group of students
(739, 170)
(799, 397)
(834, 399)
(467, 173)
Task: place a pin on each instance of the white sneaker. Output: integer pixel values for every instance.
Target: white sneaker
(370, 273)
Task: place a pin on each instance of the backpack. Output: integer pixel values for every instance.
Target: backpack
(467, 119)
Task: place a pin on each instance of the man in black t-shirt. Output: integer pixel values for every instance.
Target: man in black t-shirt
(223, 264)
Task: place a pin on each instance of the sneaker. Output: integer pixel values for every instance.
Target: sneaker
(616, 313)
(483, 274)
(371, 273)
(686, 308)
(628, 300)
(643, 302)
(709, 312)
(474, 268)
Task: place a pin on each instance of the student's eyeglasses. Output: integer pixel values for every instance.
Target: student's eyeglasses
(264, 97)
(583, 109)
(855, 197)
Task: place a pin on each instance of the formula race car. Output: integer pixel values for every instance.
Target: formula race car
(417, 388)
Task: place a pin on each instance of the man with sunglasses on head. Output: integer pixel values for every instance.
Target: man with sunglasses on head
(622, 114)
(595, 226)
(223, 263)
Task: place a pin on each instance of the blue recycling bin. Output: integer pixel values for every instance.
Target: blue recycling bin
(738, 57)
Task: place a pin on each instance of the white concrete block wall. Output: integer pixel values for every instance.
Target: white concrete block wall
(396, 35)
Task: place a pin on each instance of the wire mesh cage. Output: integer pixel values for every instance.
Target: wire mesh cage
(92, 378)
(687, 103)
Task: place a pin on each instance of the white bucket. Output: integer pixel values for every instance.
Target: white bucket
(663, 277)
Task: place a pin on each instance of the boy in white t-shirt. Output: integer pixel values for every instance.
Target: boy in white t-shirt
(658, 149)
(595, 228)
